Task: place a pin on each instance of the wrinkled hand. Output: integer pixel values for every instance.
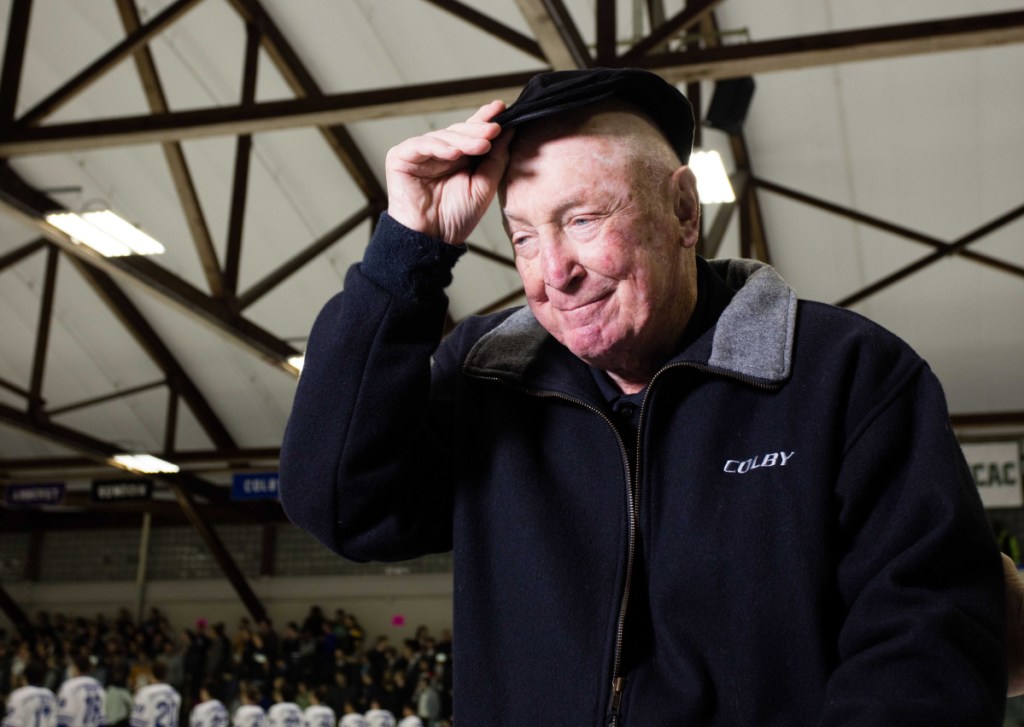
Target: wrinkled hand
(1014, 626)
(439, 184)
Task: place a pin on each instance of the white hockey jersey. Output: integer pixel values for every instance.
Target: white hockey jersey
(284, 714)
(80, 702)
(31, 707)
(318, 715)
(353, 720)
(249, 715)
(412, 721)
(380, 718)
(211, 713)
(156, 705)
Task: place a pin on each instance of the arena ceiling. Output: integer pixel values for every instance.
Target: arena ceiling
(880, 167)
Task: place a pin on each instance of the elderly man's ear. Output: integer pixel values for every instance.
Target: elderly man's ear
(687, 204)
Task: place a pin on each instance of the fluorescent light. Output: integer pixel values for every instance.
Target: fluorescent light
(138, 241)
(145, 464)
(297, 362)
(712, 182)
(106, 233)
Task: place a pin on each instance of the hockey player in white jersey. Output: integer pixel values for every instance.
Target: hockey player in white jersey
(318, 714)
(284, 714)
(80, 699)
(208, 712)
(156, 704)
(379, 718)
(249, 713)
(31, 704)
(353, 719)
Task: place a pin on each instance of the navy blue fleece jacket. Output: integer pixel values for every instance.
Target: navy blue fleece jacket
(799, 541)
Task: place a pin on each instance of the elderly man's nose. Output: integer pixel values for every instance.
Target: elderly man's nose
(561, 268)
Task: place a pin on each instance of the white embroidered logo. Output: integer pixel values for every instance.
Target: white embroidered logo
(771, 459)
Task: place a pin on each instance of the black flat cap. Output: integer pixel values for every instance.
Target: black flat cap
(555, 92)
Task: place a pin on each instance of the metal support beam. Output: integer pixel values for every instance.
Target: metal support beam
(14, 59)
(556, 32)
(302, 83)
(220, 553)
(243, 154)
(284, 271)
(607, 33)
(105, 398)
(708, 63)
(43, 333)
(95, 70)
(146, 336)
(20, 253)
(899, 231)
(13, 612)
(949, 249)
(691, 15)
(711, 244)
(492, 256)
(97, 450)
(183, 183)
(28, 205)
(489, 25)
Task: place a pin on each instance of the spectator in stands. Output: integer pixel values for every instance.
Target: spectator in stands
(219, 665)
(249, 660)
(195, 659)
(31, 704)
(80, 698)
(428, 701)
(173, 657)
(117, 700)
(340, 692)
(403, 690)
(142, 668)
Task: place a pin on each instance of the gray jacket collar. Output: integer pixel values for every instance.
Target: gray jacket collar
(753, 337)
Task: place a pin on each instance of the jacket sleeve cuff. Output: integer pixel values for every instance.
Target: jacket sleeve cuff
(409, 264)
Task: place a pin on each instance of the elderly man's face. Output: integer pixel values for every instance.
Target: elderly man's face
(603, 244)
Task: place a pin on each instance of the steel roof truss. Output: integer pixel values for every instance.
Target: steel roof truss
(93, 72)
(489, 25)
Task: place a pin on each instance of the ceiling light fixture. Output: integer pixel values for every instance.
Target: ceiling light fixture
(145, 464)
(713, 185)
(106, 233)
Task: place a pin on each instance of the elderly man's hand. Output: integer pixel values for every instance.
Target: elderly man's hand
(441, 183)
(1014, 626)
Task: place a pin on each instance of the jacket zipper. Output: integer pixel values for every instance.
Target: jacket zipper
(633, 520)
(632, 504)
(633, 496)
(620, 625)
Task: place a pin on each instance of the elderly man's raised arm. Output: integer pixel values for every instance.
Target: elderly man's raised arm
(364, 461)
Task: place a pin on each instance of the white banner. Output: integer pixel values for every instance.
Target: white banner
(996, 469)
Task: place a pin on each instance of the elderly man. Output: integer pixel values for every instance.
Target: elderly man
(675, 493)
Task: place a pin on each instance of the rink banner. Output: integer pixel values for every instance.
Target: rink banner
(996, 467)
(121, 490)
(254, 486)
(37, 493)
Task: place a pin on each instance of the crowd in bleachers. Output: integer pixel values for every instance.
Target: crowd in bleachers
(317, 672)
